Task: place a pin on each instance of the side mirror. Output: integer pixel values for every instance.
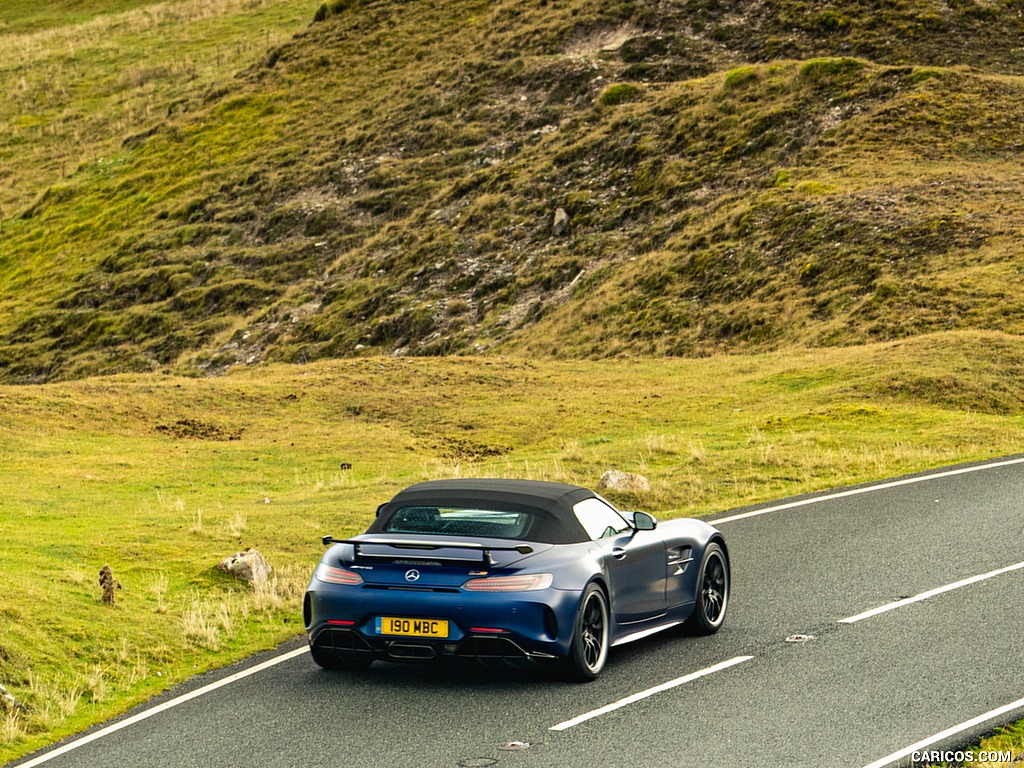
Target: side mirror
(644, 522)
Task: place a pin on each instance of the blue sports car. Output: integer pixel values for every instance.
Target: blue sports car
(511, 571)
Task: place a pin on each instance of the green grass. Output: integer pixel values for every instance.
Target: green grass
(21, 16)
(87, 80)
(161, 477)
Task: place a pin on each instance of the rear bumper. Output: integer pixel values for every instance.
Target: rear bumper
(519, 628)
(500, 650)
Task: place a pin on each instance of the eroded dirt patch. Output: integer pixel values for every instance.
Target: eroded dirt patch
(198, 430)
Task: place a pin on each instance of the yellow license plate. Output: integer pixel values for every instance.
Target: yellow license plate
(390, 625)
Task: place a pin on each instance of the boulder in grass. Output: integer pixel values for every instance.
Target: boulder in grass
(249, 565)
(617, 480)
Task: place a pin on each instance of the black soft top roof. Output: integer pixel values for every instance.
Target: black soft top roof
(549, 503)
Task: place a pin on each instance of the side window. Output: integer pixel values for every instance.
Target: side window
(598, 519)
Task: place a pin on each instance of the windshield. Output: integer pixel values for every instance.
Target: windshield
(460, 521)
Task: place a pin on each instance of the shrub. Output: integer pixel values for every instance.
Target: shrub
(828, 69)
(619, 94)
(832, 21)
(333, 8)
(739, 77)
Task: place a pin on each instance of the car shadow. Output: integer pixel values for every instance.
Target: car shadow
(387, 675)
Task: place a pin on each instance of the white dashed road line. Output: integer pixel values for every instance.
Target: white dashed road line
(649, 692)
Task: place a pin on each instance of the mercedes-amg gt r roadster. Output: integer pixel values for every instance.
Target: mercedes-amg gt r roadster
(511, 571)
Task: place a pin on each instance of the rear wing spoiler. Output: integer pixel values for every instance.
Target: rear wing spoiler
(425, 547)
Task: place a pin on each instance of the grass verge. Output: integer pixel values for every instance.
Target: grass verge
(1009, 739)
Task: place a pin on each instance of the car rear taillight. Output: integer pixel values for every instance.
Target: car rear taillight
(527, 582)
(330, 575)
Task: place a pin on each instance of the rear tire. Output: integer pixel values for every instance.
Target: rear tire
(588, 650)
(712, 598)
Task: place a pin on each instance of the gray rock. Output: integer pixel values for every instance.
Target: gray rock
(561, 223)
(617, 480)
(249, 565)
(8, 701)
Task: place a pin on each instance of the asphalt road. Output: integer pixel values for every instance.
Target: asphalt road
(799, 676)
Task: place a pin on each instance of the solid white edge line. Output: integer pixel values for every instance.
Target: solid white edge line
(649, 692)
(91, 737)
(868, 489)
(930, 593)
(920, 745)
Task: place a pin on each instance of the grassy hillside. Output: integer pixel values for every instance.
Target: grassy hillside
(734, 176)
(160, 477)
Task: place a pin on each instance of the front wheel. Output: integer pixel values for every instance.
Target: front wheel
(712, 592)
(588, 651)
